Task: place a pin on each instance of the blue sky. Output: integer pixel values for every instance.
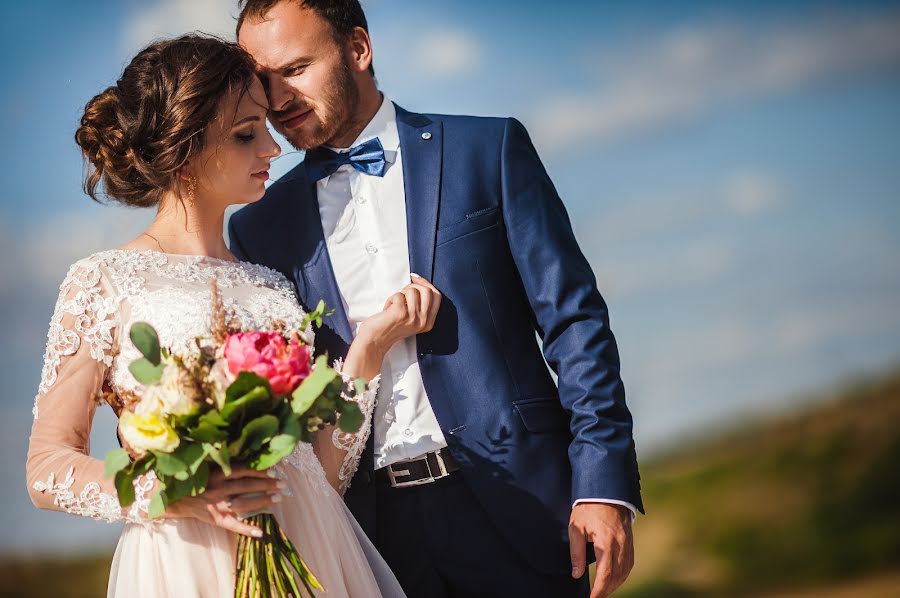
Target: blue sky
(732, 171)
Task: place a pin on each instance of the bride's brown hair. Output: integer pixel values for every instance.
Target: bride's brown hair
(136, 134)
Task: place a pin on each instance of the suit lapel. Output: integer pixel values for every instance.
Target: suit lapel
(318, 275)
(421, 146)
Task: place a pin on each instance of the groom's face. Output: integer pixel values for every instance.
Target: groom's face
(306, 73)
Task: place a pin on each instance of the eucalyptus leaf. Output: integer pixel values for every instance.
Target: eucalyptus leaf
(125, 487)
(116, 460)
(351, 419)
(145, 372)
(158, 504)
(144, 337)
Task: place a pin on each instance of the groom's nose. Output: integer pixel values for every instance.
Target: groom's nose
(280, 93)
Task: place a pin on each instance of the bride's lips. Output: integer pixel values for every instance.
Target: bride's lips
(262, 175)
(295, 119)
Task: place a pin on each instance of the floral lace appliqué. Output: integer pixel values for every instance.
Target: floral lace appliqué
(354, 443)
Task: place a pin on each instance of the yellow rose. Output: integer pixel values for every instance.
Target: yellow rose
(148, 431)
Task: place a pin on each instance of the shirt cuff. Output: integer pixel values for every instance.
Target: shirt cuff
(611, 501)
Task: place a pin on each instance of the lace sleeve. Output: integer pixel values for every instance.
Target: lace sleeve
(340, 452)
(81, 343)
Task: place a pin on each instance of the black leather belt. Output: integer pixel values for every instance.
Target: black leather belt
(415, 472)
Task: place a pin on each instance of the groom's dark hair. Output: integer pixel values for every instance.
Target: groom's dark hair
(341, 15)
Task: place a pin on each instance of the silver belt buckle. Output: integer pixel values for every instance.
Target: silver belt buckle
(393, 475)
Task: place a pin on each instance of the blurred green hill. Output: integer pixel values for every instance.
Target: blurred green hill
(804, 504)
(801, 505)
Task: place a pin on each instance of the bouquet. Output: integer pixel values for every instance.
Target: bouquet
(239, 397)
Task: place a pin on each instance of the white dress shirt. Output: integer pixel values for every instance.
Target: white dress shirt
(364, 221)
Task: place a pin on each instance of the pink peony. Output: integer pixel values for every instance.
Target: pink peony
(284, 365)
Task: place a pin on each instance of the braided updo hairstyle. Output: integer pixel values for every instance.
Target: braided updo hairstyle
(136, 134)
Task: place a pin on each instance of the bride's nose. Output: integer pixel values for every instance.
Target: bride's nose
(271, 149)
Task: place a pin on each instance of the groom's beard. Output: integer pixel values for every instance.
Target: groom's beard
(332, 117)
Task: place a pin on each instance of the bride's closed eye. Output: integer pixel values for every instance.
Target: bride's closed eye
(245, 136)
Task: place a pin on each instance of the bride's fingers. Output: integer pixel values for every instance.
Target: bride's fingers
(250, 485)
(412, 301)
(248, 504)
(397, 300)
(230, 522)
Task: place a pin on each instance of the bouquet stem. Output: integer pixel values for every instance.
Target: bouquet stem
(266, 566)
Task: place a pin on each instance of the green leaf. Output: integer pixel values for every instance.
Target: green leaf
(360, 385)
(218, 454)
(168, 464)
(191, 454)
(310, 389)
(214, 418)
(146, 340)
(158, 503)
(116, 460)
(255, 433)
(206, 432)
(125, 487)
(351, 418)
(290, 425)
(145, 372)
(279, 447)
(259, 396)
(244, 383)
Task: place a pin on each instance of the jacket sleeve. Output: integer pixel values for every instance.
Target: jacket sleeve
(573, 321)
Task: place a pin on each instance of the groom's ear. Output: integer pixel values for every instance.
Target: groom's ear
(360, 47)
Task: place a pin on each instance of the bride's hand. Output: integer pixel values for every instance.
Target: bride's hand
(227, 498)
(406, 313)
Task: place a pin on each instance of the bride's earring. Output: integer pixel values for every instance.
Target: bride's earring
(191, 185)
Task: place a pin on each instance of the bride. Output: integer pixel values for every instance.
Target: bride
(184, 130)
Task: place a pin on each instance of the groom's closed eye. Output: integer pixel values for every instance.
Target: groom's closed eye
(294, 70)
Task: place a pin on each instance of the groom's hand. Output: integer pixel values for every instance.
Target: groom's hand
(608, 526)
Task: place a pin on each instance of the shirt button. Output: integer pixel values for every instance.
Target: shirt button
(408, 433)
(361, 199)
(370, 248)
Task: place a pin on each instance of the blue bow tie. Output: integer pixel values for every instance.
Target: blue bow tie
(367, 157)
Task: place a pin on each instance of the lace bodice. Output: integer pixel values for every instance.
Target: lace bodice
(88, 348)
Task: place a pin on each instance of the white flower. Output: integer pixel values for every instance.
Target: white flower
(167, 396)
(221, 378)
(147, 432)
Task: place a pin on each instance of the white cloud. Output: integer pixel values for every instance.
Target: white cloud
(447, 53)
(689, 71)
(167, 18)
(750, 193)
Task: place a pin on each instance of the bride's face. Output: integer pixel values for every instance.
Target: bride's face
(234, 163)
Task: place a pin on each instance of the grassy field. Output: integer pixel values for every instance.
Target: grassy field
(804, 506)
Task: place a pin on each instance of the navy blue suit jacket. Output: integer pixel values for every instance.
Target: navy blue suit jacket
(487, 227)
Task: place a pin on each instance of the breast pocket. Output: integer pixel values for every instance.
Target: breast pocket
(474, 222)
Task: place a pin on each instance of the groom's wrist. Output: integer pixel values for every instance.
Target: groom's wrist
(624, 505)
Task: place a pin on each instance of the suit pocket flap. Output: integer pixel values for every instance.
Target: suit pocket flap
(474, 222)
(542, 415)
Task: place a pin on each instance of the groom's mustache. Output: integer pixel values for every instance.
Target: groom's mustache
(288, 113)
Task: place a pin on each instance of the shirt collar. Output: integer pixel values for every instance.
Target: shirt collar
(384, 126)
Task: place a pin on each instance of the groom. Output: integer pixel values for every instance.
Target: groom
(481, 477)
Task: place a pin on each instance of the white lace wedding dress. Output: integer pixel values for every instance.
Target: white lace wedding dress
(88, 349)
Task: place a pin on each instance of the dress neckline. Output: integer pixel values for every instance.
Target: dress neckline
(186, 256)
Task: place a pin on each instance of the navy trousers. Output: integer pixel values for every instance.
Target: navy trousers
(439, 543)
